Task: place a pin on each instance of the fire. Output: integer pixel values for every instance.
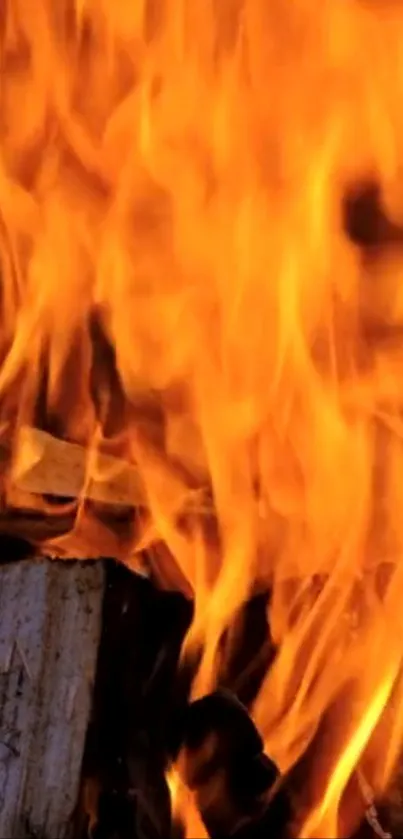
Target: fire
(183, 806)
(178, 289)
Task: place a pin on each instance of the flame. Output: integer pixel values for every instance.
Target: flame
(183, 806)
(178, 289)
(323, 820)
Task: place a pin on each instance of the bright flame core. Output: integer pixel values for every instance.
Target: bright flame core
(171, 176)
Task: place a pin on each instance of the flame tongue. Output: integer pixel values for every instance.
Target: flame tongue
(174, 171)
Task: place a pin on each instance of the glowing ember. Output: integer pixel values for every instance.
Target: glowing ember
(179, 291)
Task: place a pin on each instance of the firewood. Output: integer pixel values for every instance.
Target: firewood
(50, 626)
(46, 465)
(236, 787)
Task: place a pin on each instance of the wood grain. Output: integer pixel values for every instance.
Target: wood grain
(50, 622)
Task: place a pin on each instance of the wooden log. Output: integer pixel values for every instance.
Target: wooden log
(50, 622)
(45, 465)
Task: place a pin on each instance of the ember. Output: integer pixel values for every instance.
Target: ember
(196, 313)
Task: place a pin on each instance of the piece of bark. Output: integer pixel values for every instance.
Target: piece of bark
(43, 464)
(50, 623)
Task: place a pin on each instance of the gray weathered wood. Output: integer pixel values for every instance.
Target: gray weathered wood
(50, 620)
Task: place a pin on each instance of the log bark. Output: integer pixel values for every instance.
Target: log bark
(50, 623)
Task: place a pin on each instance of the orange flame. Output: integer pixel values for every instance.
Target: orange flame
(183, 805)
(177, 288)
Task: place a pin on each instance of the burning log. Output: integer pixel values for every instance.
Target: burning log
(237, 788)
(124, 785)
(45, 465)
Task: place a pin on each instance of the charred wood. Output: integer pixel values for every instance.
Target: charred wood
(237, 787)
(126, 753)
